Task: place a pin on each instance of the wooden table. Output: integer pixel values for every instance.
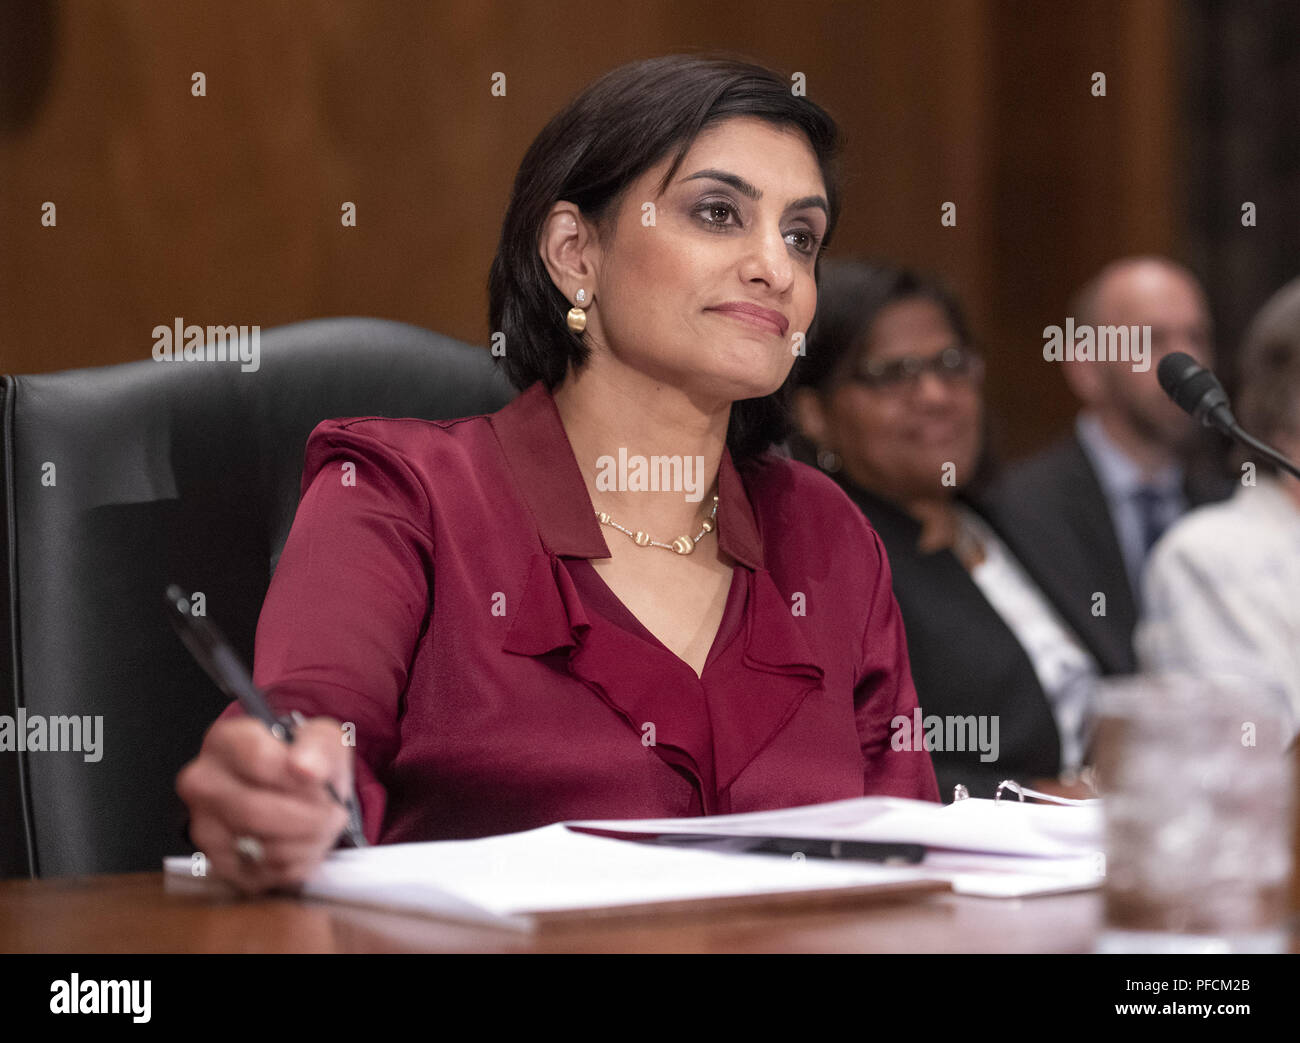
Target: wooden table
(131, 913)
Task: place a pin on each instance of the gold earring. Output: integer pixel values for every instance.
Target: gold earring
(577, 317)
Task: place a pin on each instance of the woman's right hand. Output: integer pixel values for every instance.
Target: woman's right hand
(247, 783)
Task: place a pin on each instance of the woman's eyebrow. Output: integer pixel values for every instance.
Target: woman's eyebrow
(746, 189)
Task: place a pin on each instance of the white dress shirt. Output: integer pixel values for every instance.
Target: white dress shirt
(1223, 594)
(1121, 481)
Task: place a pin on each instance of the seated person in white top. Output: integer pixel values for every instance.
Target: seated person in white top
(1223, 585)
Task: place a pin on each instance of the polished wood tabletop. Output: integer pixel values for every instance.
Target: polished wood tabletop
(132, 913)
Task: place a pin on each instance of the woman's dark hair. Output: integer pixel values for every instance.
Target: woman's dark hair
(588, 155)
(851, 294)
(1268, 390)
(850, 297)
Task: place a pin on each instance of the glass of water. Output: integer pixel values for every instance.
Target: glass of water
(1198, 793)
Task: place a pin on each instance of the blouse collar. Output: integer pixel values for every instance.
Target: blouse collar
(546, 472)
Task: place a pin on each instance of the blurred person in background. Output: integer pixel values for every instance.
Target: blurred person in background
(1084, 513)
(1223, 585)
(890, 403)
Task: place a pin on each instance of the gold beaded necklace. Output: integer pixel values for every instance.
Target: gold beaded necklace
(681, 545)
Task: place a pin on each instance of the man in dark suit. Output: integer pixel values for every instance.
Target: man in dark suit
(1083, 514)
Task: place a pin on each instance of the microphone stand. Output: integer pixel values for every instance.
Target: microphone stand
(1220, 416)
(1243, 436)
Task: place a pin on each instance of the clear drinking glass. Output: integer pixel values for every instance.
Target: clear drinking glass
(1198, 792)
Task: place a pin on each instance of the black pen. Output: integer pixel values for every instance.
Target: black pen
(221, 663)
(861, 850)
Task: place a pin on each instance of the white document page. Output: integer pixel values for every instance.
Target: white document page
(505, 878)
(1007, 827)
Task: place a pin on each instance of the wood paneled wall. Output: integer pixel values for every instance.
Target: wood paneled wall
(226, 208)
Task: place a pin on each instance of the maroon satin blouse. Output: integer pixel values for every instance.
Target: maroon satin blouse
(436, 593)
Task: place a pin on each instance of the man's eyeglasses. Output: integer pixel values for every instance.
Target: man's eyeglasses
(954, 365)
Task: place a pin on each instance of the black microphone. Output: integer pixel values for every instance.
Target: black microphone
(1197, 391)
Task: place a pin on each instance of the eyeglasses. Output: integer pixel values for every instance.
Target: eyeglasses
(953, 365)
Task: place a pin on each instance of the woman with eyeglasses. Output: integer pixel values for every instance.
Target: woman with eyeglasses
(890, 402)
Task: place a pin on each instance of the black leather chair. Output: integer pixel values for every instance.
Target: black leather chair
(184, 472)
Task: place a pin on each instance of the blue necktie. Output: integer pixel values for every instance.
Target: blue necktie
(1149, 502)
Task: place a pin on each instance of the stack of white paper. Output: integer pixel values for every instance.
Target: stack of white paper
(977, 847)
(997, 849)
(510, 880)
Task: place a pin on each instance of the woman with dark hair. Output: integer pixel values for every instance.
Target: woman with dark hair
(890, 402)
(608, 599)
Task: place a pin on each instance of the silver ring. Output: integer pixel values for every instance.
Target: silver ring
(250, 849)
